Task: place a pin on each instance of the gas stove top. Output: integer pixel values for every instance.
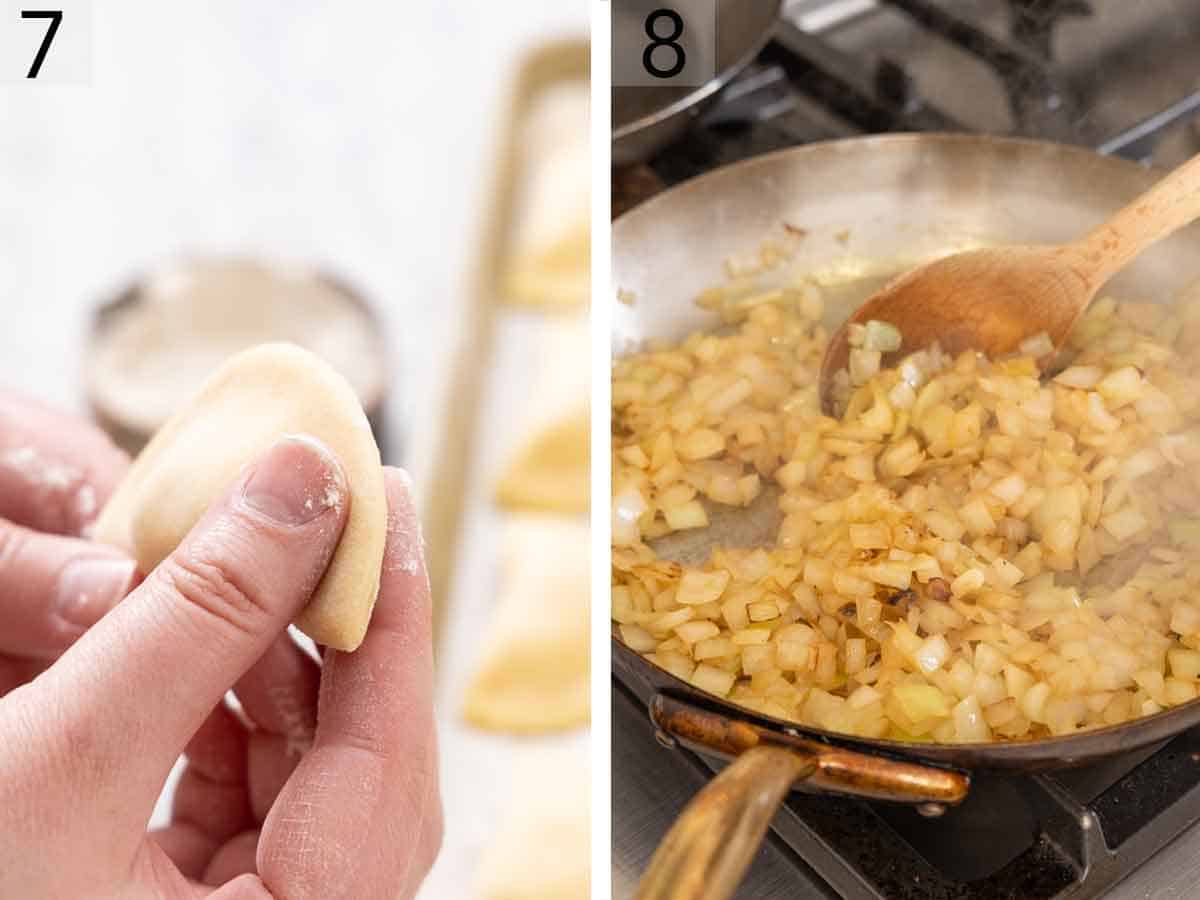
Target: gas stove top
(1080, 833)
(1122, 77)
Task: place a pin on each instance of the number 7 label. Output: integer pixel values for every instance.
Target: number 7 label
(663, 42)
(46, 41)
(54, 17)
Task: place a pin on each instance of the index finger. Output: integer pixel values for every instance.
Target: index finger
(56, 471)
(361, 815)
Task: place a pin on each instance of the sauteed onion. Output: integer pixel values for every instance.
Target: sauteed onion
(973, 552)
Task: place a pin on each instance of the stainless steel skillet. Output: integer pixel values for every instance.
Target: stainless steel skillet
(888, 197)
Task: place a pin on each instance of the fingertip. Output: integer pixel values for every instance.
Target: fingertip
(52, 589)
(399, 475)
(296, 480)
(90, 586)
(404, 552)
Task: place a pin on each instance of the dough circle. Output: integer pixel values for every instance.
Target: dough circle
(243, 408)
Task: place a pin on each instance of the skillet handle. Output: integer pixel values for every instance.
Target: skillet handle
(836, 769)
(710, 846)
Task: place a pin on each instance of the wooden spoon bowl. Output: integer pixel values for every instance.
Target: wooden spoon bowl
(992, 300)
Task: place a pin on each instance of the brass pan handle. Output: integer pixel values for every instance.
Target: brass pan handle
(710, 846)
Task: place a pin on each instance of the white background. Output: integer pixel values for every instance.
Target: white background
(353, 135)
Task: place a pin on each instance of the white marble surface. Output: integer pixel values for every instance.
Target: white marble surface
(353, 135)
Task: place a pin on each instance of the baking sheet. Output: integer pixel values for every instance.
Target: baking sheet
(519, 369)
(445, 497)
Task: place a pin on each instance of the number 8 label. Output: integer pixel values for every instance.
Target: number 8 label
(664, 41)
(660, 43)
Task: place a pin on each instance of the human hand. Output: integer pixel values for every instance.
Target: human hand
(258, 813)
(56, 473)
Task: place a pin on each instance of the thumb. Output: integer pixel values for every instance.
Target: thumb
(137, 686)
(53, 588)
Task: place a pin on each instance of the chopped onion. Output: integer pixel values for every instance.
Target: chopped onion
(698, 587)
(628, 506)
(902, 395)
(864, 365)
(1141, 463)
(1122, 386)
(967, 583)
(882, 336)
(1098, 415)
(1037, 346)
(1083, 377)
(933, 654)
(921, 701)
(1124, 523)
(969, 724)
(911, 372)
(714, 680)
(1185, 664)
(1009, 489)
(863, 696)
(966, 553)
(638, 639)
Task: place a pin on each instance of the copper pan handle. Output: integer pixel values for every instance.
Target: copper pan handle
(710, 846)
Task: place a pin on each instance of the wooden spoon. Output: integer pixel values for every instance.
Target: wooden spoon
(991, 300)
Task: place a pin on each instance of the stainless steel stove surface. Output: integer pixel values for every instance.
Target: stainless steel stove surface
(1118, 75)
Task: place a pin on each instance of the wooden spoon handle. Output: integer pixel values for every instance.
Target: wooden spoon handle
(710, 846)
(1172, 203)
